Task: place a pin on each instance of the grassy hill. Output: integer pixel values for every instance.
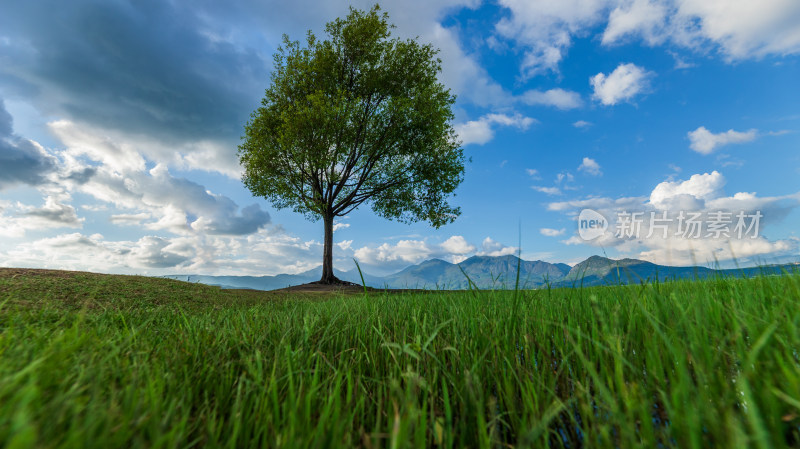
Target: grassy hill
(91, 360)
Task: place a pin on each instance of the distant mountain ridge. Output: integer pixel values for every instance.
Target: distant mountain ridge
(483, 271)
(498, 272)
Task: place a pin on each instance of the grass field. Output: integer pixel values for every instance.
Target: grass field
(112, 361)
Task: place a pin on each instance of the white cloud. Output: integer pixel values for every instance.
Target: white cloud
(546, 28)
(564, 177)
(458, 245)
(123, 152)
(559, 98)
(590, 166)
(624, 83)
(581, 124)
(548, 232)
(547, 190)
(492, 248)
(97, 146)
(744, 29)
(482, 130)
(738, 29)
(687, 195)
(405, 251)
(408, 251)
(643, 17)
(339, 225)
(17, 219)
(705, 142)
(533, 173)
(566, 181)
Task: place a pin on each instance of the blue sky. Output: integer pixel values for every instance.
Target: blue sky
(120, 122)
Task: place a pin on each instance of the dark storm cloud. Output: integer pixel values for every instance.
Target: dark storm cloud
(21, 161)
(149, 67)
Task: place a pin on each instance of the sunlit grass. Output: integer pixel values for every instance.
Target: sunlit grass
(98, 361)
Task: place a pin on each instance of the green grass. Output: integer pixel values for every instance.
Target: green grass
(110, 361)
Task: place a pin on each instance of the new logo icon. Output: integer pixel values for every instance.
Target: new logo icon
(591, 224)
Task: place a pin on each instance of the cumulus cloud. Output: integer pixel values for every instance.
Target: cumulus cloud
(482, 130)
(738, 30)
(590, 166)
(177, 205)
(624, 83)
(457, 245)
(688, 195)
(52, 214)
(643, 17)
(690, 221)
(339, 225)
(559, 98)
(546, 29)
(493, 248)
(744, 29)
(405, 251)
(705, 142)
(17, 219)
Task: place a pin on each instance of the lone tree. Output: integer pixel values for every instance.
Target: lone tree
(357, 118)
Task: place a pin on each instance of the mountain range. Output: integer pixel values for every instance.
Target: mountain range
(486, 272)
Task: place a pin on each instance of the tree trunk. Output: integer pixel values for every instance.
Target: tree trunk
(327, 254)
